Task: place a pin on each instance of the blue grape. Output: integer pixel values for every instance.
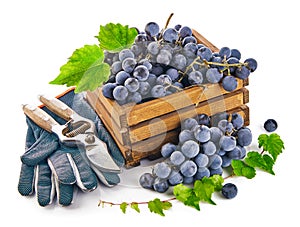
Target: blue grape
(141, 73)
(216, 134)
(151, 79)
(229, 83)
(232, 60)
(120, 93)
(116, 67)
(217, 171)
(237, 120)
(189, 123)
(225, 126)
(147, 180)
(215, 161)
(170, 35)
(204, 53)
(152, 29)
(121, 77)
(163, 79)
(179, 61)
(132, 84)
(153, 48)
(229, 190)
(185, 135)
(164, 57)
(190, 49)
(145, 88)
(107, 90)
(213, 75)
(236, 53)
(125, 53)
(201, 160)
(188, 39)
(227, 143)
(173, 74)
(242, 72)
(190, 149)
(203, 119)
(195, 77)
(134, 97)
(202, 172)
(236, 153)
(177, 27)
(158, 91)
(140, 38)
(225, 52)
(209, 148)
(270, 125)
(177, 158)
(161, 170)
(129, 64)
(244, 137)
(185, 31)
(243, 151)
(202, 133)
(188, 180)
(188, 168)
(160, 185)
(167, 149)
(175, 178)
(251, 64)
(226, 161)
(147, 63)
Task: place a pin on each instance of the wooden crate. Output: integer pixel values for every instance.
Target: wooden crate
(141, 129)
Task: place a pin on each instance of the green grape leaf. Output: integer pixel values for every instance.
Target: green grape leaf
(186, 195)
(204, 190)
(157, 206)
(242, 169)
(84, 63)
(115, 37)
(123, 207)
(264, 162)
(135, 207)
(271, 143)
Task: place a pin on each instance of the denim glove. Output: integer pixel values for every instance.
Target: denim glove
(64, 167)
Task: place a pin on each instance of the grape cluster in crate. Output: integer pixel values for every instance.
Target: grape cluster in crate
(206, 146)
(162, 62)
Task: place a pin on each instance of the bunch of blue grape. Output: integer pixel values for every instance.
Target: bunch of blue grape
(206, 145)
(164, 61)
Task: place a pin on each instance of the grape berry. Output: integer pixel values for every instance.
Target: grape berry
(205, 148)
(165, 61)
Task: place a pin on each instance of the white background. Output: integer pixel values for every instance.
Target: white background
(37, 37)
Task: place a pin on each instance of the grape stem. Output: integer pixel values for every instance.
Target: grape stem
(103, 202)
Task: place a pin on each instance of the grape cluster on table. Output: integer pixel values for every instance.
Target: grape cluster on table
(164, 61)
(206, 145)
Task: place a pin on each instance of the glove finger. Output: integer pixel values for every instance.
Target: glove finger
(112, 146)
(45, 145)
(26, 180)
(62, 167)
(65, 193)
(85, 177)
(45, 185)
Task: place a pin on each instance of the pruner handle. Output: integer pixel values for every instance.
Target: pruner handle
(40, 117)
(58, 107)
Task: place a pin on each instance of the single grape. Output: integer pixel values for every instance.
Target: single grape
(244, 137)
(170, 35)
(147, 63)
(225, 52)
(229, 83)
(116, 67)
(177, 158)
(236, 153)
(189, 123)
(209, 148)
(160, 185)
(175, 178)
(229, 190)
(185, 135)
(151, 79)
(177, 27)
(225, 126)
(190, 149)
(201, 160)
(227, 143)
(232, 60)
(189, 39)
(158, 91)
(179, 61)
(125, 53)
(107, 90)
(216, 135)
(163, 57)
(121, 77)
(213, 75)
(167, 149)
(145, 88)
(237, 120)
(242, 72)
(226, 161)
(215, 161)
(134, 97)
(132, 84)
(153, 48)
(161, 170)
(164, 79)
(251, 64)
(173, 74)
(270, 125)
(202, 133)
(152, 29)
(202, 172)
(188, 168)
(147, 180)
(217, 171)
(204, 119)
(195, 77)
(129, 64)
(190, 49)
(140, 38)
(185, 31)
(141, 73)
(204, 53)
(236, 53)
(120, 93)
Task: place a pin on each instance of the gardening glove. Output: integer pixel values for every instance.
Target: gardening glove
(65, 166)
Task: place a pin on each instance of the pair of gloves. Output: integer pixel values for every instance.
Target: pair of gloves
(50, 168)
